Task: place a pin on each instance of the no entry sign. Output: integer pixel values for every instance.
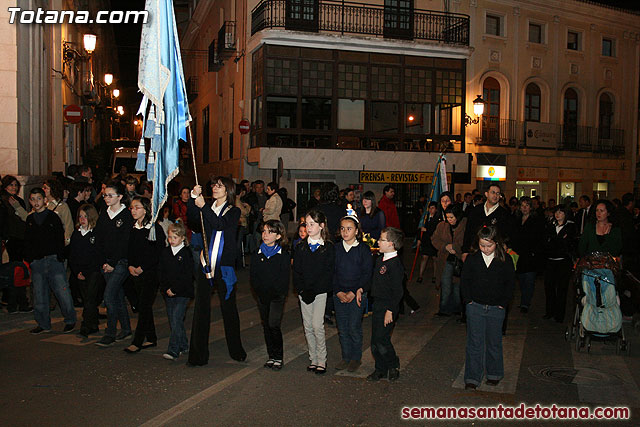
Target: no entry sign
(73, 113)
(244, 126)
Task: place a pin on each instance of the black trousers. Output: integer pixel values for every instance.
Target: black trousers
(90, 289)
(146, 287)
(16, 297)
(381, 346)
(199, 345)
(271, 310)
(557, 275)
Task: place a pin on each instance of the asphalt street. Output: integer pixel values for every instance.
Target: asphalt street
(60, 379)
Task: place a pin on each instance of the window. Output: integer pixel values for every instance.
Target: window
(257, 112)
(532, 103)
(231, 145)
(491, 115)
(281, 112)
(493, 25)
(220, 148)
(605, 116)
(205, 135)
(607, 47)
(384, 117)
(535, 32)
(448, 119)
(418, 118)
(573, 40)
(316, 113)
(351, 114)
(570, 126)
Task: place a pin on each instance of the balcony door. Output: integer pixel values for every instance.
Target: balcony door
(398, 19)
(491, 116)
(570, 125)
(302, 15)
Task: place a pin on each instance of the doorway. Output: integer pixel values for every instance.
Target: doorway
(528, 188)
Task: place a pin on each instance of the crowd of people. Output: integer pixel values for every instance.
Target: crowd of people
(90, 245)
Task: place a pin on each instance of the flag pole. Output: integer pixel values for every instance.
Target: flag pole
(205, 249)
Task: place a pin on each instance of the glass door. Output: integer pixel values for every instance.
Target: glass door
(398, 19)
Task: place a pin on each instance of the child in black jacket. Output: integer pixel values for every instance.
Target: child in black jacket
(386, 289)
(44, 248)
(487, 282)
(176, 283)
(84, 261)
(143, 268)
(269, 276)
(313, 263)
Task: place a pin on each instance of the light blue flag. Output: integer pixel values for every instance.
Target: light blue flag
(161, 81)
(436, 188)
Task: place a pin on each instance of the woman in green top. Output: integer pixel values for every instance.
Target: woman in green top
(601, 236)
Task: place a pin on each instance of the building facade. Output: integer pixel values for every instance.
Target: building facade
(369, 94)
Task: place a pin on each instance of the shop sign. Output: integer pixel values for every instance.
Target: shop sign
(491, 173)
(383, 177)
(570, 175)
(542, 135)
(532, 174)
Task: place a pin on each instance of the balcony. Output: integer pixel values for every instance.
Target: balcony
(214, 62)
(360, 18)
(227, 40)
(512, 133)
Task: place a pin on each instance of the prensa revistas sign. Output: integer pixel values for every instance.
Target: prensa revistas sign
(387, 177)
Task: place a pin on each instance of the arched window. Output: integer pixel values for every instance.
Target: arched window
(570, 125)
(532, 103)
(491, 116)
(606, 116)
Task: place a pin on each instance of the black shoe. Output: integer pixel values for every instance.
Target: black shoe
(320, 370)
(394, 374)
(26, 309)
(376, 376)
(493, 382)
(240, 358)
(68, 328)
(12, 310)
(123, 335)
(469, 386)
(269, 363)
(148, 345)
(38, 330)
(312, 368)
(106, 341)
(277, 365)
(132, 349)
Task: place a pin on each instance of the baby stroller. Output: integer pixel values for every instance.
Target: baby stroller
(597, 315)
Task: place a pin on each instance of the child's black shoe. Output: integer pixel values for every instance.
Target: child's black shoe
(376, 376)
(394, 374)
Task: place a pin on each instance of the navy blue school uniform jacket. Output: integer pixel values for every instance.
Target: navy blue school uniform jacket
(491, 285)
(313, 271)
(44, 235)
(227, 222)
(176, 272)
(386, 284)
(145, 253)
(84, 256)
(269, 277)
(112, 236)
(353, 269)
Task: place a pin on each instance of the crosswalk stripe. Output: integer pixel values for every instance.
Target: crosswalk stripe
(512, 351)
(604, 378)
(295, 346)
(410, 335)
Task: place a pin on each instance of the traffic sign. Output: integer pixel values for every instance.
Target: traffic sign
(73, 113)
(244, 126)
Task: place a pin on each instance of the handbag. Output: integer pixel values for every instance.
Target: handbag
(456, 263)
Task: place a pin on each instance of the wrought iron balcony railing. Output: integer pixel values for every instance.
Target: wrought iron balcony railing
(361, 18)
(512, 133)
(214, 62)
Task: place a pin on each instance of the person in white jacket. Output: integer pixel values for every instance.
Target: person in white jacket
(273, 207)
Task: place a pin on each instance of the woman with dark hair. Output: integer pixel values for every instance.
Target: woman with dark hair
(444, 201)
(14, 215)
(447, 239)
(220, 225)
(427, 250)
(54, 192)
(601, 236)
(330, 206)
(180, 208)
(112, 237)
(561, 241)
(528, 228)
(143, 267)
(372, 219)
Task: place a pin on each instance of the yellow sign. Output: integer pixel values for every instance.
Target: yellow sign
(382, 177)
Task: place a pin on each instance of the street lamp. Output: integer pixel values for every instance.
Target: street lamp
(116, 93)
(478, 110)
(90, 42)
(108, 79)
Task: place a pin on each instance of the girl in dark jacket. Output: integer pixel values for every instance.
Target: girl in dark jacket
(313, 264)
(560, 248)
(527, 243)
(269, 277)
(221, 228)
(143, 268)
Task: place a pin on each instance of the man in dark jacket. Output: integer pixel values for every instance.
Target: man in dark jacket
(489, 213)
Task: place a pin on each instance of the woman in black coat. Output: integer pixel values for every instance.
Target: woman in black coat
(220, 225)
(528, 244)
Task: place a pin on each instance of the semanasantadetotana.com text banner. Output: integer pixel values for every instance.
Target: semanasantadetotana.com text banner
(388, 177)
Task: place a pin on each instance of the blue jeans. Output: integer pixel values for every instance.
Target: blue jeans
(176, 310)
(48, 274)
(114, 299)
(449, 291)
(527, 284)
(484, 343)
(349, 321)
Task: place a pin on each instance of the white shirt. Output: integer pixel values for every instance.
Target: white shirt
(140, 227)
(389, 255)
(313, 242)
(217, 209)
(115, 214)
(491, 210)
(176, 249)
(83, 231)
(347, 246)
(488, 258)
